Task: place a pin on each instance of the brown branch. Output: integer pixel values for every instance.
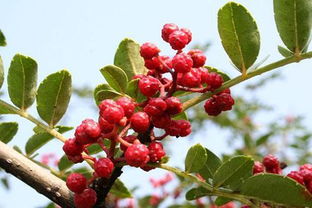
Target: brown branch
(35, 176)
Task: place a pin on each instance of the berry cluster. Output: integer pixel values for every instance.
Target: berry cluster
(271, 164)
(130, 125)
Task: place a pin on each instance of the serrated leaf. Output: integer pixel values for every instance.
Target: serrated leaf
(293, 19)
(195, 158)
(284, 52)
(64, 163)
(180, 116)
(134, 91)
(211, 165)
(196, 193)
(22, 81)
(53, 96)
(120, 190)
(2, 39)
(222, 200)
(276, 189)
(128, 58)
(239, 34)
(1, 72)
(233, 172)
(224, 75)
(105, 94)
(7, 131)
(38, 140)
(115, 77)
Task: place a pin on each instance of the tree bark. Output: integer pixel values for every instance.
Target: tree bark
(35, 176)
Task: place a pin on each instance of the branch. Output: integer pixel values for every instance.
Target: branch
(35, 176)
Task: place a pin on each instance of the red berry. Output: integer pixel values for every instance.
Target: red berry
(178, 40)
(214, 80)
(306, 167)
(149, 86)
(140, 122)
(161, 121)
(70, 147)
(128, 106)
(191, 79)
(198, 58)
(296, 176)
(75, 158)
(137, 155)
(179, 128)
(258, 168)
(270, 162)
(113, 114)
(152, 63)
(173, 128)
(104, 167)
(167, 30)
(225, 101)
(306, 174)
(129, 139)
(204, 74)
(76, 182)
(86, 199)
(106, 103)
(165, 64)
(211, 107)
(188, 33)
(277, 170)
(156, 151)
(182, 63)
(155, 106)
(87, 132)
(309, 186)
(105, 126)
(174, 105)
(149, 50)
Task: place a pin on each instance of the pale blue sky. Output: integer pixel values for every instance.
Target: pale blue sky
(82, 36)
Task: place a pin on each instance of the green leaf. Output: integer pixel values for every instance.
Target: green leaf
(1, 73)
(64, 163)
(277, 189)
(5, 183)
(101, 87)
(53, 96)
(284, 52)
(195, 158)
(7, 131)
(263, 139)
(94, 149)
(134, 91)
(17, 149)
(222, 200)
(196, 193)
(180, 116)
(105, 94)
(211, 165)
(38, 140)
(120, 190)
(239, 34)
(233, 172)
(224, 75)
(115, 77)
(22, 81)
(128, 58)
(2, 39)
(293, 19)
(5, 108)
(84, 171)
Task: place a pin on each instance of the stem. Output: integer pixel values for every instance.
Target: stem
(241, 78)
(213, 191)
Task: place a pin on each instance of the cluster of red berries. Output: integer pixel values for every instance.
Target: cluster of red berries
(271, 164)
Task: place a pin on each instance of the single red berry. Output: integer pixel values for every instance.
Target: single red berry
(86, 199)
(137, 155)
(152, 63)
(188, 33)
(198, 58)
(225, 101)
(70, 147)
(296, 176)
(76, 182)
(258, 168)
(75, 158)
(104, 167)
(155, 106)
(128, 106)
(87, 132)
(306, 174)
(161, 121)
(204, 74)
(149, 50)
(173, 128)
(211, 107)
(178, 40)
(214, 80)
(113, 114)
(306, 167)
(174, 105)
(140, 122)
(129, 139)
(156, 151)
(149, 86)
(105, 126)
(191, 79)
(167, 30)
(270, 162)
(106, 103)
(185, 127)
(182, 63)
